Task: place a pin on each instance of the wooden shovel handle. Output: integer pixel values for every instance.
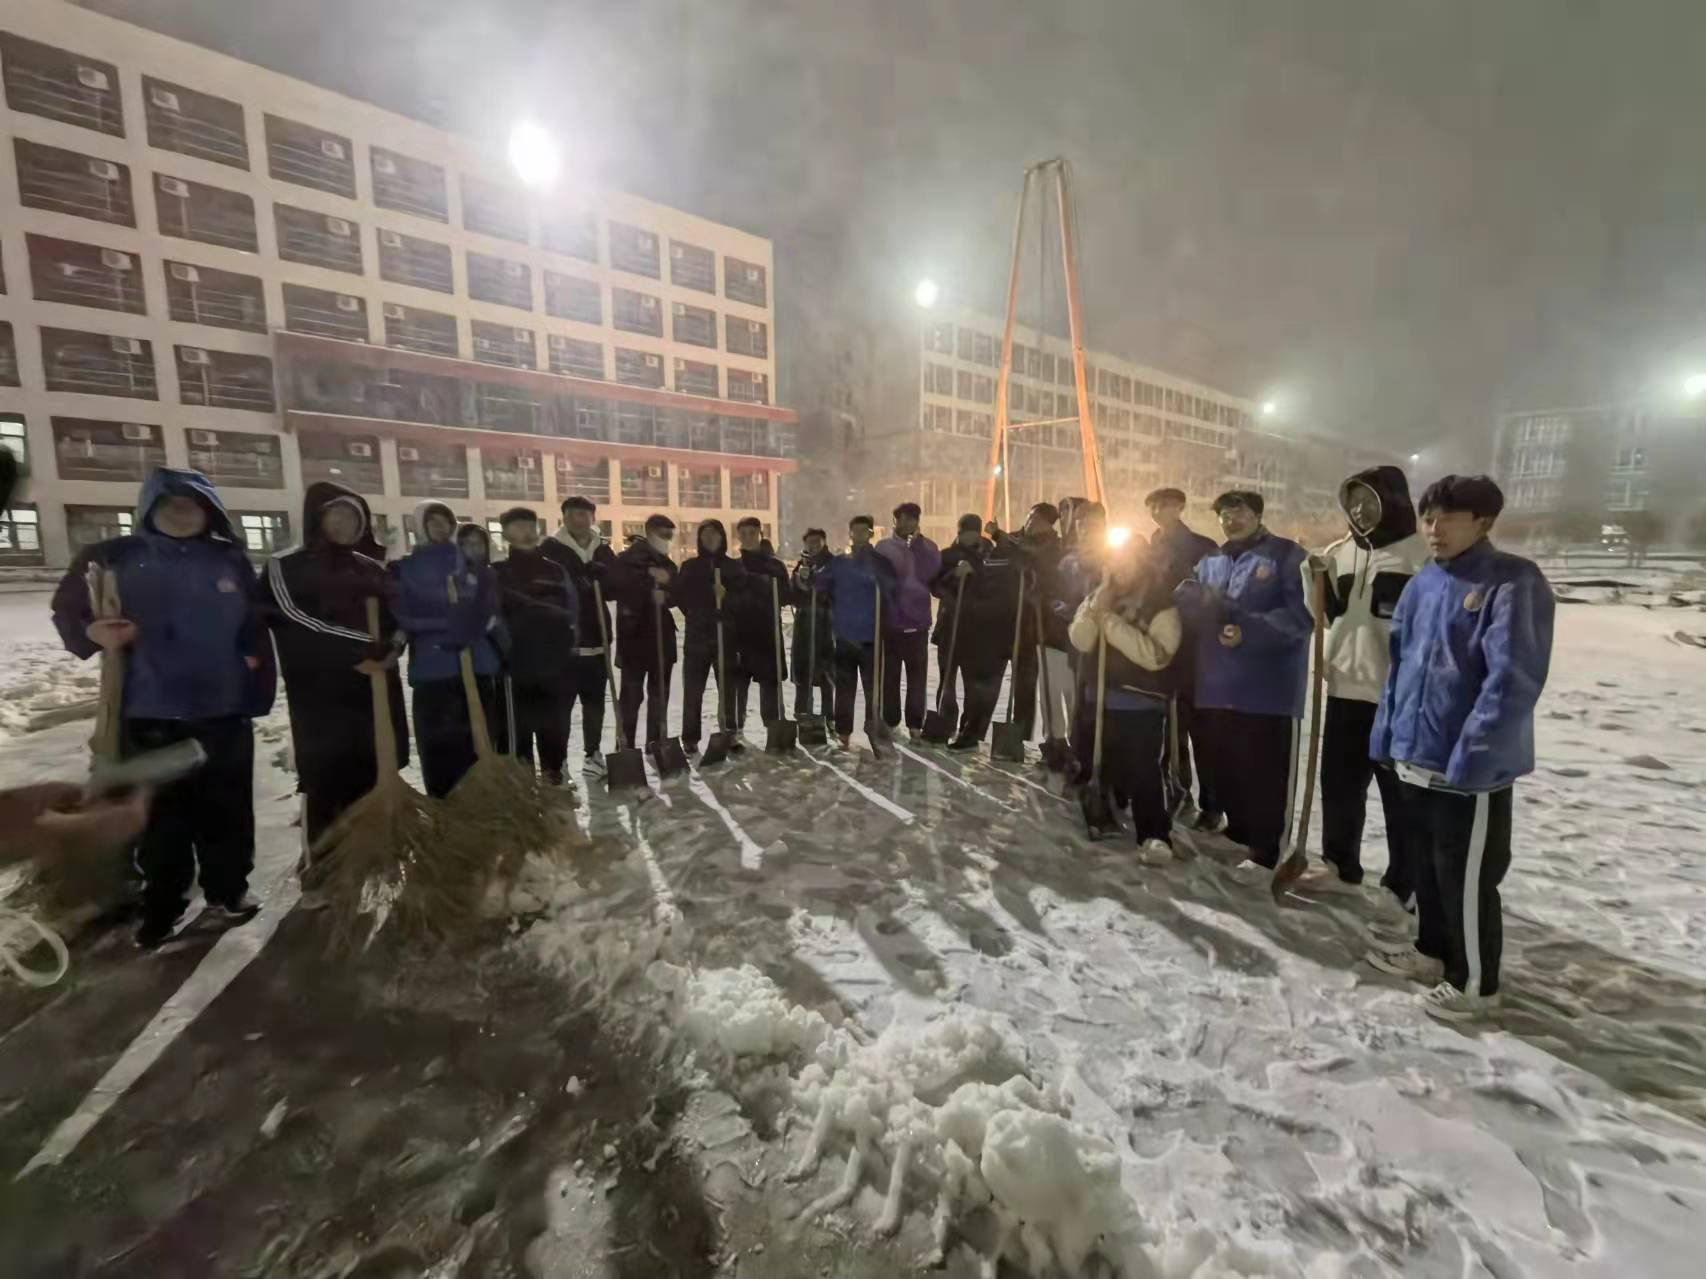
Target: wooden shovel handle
(471, 690)
(384, 734)
(104, 743)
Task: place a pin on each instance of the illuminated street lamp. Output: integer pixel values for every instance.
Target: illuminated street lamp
(1269, 408)
(534, 155)
(926, 293)
(1415, 459)
(1694, 386)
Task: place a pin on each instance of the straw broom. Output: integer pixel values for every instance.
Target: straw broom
(391, 857)
(68, 883)
(503, 801)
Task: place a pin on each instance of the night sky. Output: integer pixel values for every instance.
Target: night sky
(1395, 216)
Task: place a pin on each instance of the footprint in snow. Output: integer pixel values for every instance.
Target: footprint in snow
(1649, 762)
(1568, 772)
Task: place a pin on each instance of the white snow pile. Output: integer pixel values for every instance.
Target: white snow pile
(945, 1099)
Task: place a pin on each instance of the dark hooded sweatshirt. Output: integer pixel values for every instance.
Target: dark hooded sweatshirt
(540, 608)
(315, 601)
(991, 593)
(757, 616)
(194, 604)
(629, 583)
(801, 595)
(695, 593)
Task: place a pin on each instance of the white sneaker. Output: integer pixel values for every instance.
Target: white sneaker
(1447, 1003)
(1187, 814)
(1407, 962)
(1155, 852)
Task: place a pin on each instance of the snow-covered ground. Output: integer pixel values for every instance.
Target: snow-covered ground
(1213, 1082)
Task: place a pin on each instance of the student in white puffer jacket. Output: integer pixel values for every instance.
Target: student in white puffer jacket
(1367, 570)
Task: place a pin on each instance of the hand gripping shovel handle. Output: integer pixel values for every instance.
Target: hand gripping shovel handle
(609, 661)
(953, 644)
(661, 710)
(776, 611)
(1298, 861)
(384, 734)
(1018, 629)
(471, 690)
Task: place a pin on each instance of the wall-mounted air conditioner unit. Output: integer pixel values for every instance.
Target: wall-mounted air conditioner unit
(331, 150)
(337, 226)
(186, 273)
(752, 274)
(390, 239)
(527, 462)
(135, 431)
(654, 472)
(193, 355)
(408, 453)
(394, 311)
(680, 308)
(105, 170)
(127, 346)
(648, 304)
(385, 164)
(647, 242)
(90, 78)
(348, 303)
(515, 270)
(206, 439)
(360, 448)
(754, 327)
(652, 362)
(523, 336)
(175, 186)
(116, 260)
(165, 99)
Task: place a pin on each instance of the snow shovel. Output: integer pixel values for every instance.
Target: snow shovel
(498, 795)
(874, 726)
(717, 744)
(813, 731)
(1292, 868)
(1099, 819)
(104, 604)
(666, 751)
(388, 855)
(937, 729)
(781, 734)
(624, 766)
(1057, 752)
(1007, 739)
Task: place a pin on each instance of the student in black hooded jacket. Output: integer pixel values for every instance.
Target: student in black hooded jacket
(801, 594)
(704, 609)
(641, 581)
(315, 600)
(986, 630)
(758, 622)
(540, 608)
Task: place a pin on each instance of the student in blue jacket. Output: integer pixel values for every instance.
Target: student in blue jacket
(437, 631)
(1248, 625)
(1471, 642)
(851, 582)
(198, 665)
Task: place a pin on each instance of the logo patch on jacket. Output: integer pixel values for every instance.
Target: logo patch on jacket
(1264, 572)
(227, 586)
(1472, 602)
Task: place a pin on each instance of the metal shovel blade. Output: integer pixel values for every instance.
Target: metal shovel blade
(1007, 741)
(1057, 755)
(781, 736)
(624, 768)
(1289, 872)
(1099, 819)
(876, 732)
(716, 749)
(670, 758)
(938, 727)
(812, 730)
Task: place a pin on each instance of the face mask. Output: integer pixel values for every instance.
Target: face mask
(658, 543)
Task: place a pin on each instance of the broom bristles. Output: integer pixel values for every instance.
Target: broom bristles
(391, 860)
(511, 814)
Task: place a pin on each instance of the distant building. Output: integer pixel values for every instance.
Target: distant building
(1602, 460)
(207, 264)
(1299, 476)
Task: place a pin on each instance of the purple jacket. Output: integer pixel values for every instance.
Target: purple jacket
(916, 564)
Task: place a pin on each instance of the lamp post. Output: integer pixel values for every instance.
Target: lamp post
(534, 154)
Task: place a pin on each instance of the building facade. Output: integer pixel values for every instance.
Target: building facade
(206, 264)
(1299, 476)
(1600, 462)
(928, 437)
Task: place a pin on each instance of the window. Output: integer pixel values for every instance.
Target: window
(746, 337)
(512, 475)
(79, 185)
(983, 389)
(985, 351)
(492, 209)
(8, 355)
(220, 299)
(691, 267)
(501, 344)
(193, 123)
(644, 484)
(310, 157)
(967, 348)
(20, 535)
(745, 282)
(639, 368)
(409, 328)
(749, 490)
(325, 314)
(635, 423)
(84, 275)
(568, 297)
(632, 249)
(192, 211)
(87, 449)
(635, 312)
(739, 435)
(938, 417)
(98, 364)
(1631, 459)
(350, 460)
(694, 325)
(700, 487)
(494, 279)
(583, 477)
(317, 239)
(748, 388)
(408, 259)
(940, 339)
(574, 358)
(86, 525)
(224, 380)
(694, 378)
(237, 459)
(571, 232)
(508, 408)
(971, 422)
(44, 81)
(263, 532)
(964, 385)
(408, 185)
(704, 432)
(591, 420)
(432, 470)
(15, 439)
